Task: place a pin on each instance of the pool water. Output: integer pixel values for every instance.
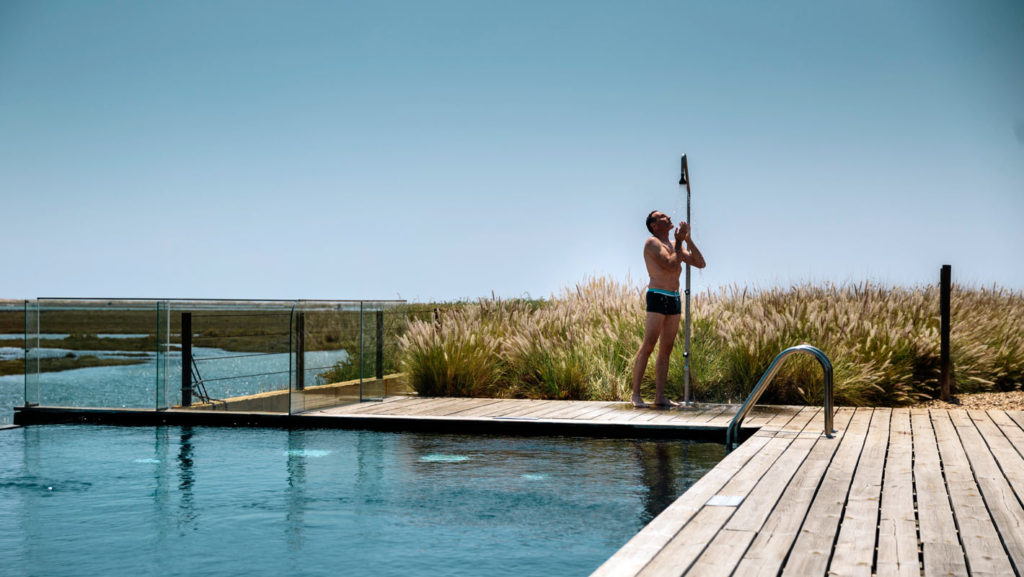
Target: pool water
(162, 501)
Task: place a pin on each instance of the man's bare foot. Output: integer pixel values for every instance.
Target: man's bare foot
(665, 404)
(639, 403)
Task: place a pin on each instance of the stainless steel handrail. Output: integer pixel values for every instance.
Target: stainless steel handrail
(732, 433)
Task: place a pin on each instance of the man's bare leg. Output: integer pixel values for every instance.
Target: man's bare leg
(652, 330)
(669, 329)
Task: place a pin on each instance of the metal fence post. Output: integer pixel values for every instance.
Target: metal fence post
(186, 359)
(380, 344)
(945, 380)
(300, 354)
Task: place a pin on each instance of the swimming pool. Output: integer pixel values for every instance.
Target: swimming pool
(160, 501)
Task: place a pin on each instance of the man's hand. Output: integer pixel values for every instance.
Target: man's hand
(683, 231)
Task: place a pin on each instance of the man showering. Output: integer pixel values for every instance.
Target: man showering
(664, 260)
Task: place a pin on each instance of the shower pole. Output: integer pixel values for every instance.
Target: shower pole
(684, 178)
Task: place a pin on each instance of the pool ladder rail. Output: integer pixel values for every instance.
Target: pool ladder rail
(732, 433)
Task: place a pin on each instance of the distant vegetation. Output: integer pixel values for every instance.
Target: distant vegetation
(51, 365)
(883, 343)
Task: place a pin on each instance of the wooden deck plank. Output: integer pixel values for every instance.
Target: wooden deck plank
(794, 425)
(1007, 455)
(592, 415)
(1017, 417)
(711, 414)
(458, 407)
(580, 409)
(688, 543)
(1003, 505)
(984, 553)
(759, 415)
(897, 525)
(691, 415)
(855, 547)
(766, 554)
(467, 405)
(745, 480)
(516, 408)
(729, 546)
(360, 407)
(1009, 428)
(501, 406)
(722, 554)
(666, 417)
(410, 404)
(781, 421)
(545, 408)
(424, 407)
(652, 414)
(482, 406)
(724, 418)
(813, 547)
(623, 414)
(940, 544)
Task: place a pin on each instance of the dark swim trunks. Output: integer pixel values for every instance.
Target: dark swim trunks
(663, 302)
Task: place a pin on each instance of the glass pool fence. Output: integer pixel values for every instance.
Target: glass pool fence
(255, 356)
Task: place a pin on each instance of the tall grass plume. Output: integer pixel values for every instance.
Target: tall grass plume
(580, 344)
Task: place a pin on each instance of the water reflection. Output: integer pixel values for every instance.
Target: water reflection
(296, 492)
(656, 464)
(669, 468)
(188, 514)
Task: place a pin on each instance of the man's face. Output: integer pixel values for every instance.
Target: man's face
(662, 221)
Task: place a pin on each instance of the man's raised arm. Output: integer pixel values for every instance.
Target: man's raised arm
(690, 254)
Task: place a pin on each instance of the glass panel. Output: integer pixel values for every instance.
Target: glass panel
(396, 322)
(95, 353)
(240, 355)
(329, 345)
(162, 331)
(31, 353)
(371, 352)
(12, 357)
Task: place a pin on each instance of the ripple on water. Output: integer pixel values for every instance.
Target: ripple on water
(444, 458)
(310, 453)
(33, 484)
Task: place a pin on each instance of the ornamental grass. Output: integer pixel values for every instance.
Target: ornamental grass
(883, 343)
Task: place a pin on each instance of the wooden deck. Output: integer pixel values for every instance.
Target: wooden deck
(708, 417)
(895, 492)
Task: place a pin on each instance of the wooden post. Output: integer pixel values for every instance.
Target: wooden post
(300, 351)
(945, 377)
(380, 344)
(186, 359)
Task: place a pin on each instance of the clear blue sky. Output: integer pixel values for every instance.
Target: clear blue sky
(448, 149)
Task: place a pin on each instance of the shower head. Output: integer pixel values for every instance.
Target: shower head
(684, 177)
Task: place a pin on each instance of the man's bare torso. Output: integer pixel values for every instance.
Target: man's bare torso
(662, 277)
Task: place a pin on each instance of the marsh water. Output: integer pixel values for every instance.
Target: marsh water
(227, 373)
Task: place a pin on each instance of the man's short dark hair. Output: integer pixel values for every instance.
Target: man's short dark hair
(650, 219)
